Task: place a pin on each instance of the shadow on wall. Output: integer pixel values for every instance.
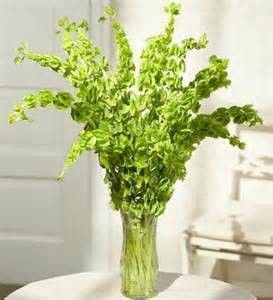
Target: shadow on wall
(239, 237)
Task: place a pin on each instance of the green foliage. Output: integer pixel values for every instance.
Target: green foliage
(61, 100)
(144, 125)
(173, 8)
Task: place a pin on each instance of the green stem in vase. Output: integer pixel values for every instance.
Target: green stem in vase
(139, 263)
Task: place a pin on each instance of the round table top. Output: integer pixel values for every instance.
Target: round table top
(106, 286)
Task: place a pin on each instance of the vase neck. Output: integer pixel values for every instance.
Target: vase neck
(143, 221)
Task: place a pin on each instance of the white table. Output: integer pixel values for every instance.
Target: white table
(102, 286)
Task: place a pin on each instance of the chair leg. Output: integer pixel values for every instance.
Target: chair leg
(186, 254)
(224, 270)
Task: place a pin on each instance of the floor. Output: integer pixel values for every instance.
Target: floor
(5, 290)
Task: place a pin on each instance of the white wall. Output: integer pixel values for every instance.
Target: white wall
(238, 30)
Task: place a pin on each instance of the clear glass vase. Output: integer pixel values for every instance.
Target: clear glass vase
(139, 261)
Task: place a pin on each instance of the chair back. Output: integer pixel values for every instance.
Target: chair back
(253, 174)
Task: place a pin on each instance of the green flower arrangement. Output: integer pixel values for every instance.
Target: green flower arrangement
(144, 123)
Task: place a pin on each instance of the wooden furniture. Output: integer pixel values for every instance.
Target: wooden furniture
(241, 230)
(89, 286)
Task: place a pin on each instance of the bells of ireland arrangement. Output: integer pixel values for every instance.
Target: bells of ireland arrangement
(144, 124)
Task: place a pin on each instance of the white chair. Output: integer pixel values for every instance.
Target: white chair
(240, 231)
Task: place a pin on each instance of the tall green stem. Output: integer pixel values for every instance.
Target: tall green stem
(139, 262)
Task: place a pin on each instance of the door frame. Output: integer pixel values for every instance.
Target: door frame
(99, 256)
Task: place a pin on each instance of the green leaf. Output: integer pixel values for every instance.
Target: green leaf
(173, 8)
(102, 19)
(85, 141)
(110, 10)
(44, 98)
(18, 59)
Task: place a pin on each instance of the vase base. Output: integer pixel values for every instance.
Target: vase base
(139, 297)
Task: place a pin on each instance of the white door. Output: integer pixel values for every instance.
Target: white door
(44, 224)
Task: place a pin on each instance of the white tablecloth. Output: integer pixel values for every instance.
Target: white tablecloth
(102, 286)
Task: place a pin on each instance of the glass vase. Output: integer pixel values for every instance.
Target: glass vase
(139, 261)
